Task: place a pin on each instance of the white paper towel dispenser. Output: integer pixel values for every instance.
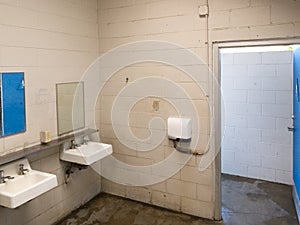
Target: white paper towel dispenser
(179, 128)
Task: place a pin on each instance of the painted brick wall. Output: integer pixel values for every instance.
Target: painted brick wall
(123, 21)
(189, 190)
(253, 19)
(257, 95)
(52, 42)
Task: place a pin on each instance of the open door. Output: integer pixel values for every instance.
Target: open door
(296, 129)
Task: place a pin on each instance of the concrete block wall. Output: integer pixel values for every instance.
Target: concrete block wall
(178, 21)
(121, 22)
(257, 94)
(189, 190)
(52, 42)
(253, 19)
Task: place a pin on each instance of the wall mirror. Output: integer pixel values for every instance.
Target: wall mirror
(12, 103)
(70, 107)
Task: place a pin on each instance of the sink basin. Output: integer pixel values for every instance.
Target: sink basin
(87, 154)
(23, 188)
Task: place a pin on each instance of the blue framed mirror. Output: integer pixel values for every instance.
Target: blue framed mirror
(13, 114)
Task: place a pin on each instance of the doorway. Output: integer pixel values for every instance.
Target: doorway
(217, 60)
(257, 94)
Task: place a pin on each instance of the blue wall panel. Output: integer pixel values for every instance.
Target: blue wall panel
(13, 103)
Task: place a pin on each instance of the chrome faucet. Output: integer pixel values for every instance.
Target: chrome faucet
(2, 177)
(85, 140)
(73, 144)
(22, 170)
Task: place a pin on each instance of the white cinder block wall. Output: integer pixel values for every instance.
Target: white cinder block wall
(52, 42)
(257, 109)
(188, 190)
(178, 21)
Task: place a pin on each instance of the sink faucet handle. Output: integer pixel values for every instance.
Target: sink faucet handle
(2, 177)
(21, 167)
(73, 144)
(85, 140)
(22, 170)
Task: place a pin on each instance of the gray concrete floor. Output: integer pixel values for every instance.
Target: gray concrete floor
(254, 202)
(245, 202)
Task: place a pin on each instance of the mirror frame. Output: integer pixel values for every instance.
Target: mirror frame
(83, 96)
(2, 104)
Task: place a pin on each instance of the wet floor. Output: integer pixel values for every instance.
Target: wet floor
(245, 202)
(255, 202)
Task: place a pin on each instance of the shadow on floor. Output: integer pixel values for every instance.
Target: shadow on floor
(245, 202)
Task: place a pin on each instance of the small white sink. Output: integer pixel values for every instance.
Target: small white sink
(86, 154)
(22, 188)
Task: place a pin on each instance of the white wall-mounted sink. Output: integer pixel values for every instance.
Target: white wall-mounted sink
(22, 188)
(86, 154)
